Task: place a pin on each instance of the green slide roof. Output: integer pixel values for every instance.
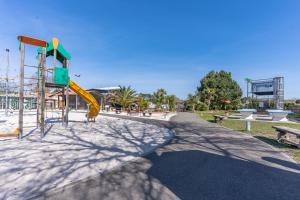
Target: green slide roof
(61, 52)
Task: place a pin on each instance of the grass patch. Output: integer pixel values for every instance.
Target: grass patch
(259, 129)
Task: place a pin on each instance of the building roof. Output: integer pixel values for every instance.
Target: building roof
(107, 88)
(104, 89)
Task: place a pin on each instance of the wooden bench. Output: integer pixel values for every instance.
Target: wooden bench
(147, 114)
(219, 118)
(282, 135)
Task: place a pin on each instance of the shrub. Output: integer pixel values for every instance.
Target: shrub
(201, 106)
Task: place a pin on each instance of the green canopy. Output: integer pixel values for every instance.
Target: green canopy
(61, 52)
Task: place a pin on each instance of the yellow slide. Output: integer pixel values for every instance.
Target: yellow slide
(87, 97)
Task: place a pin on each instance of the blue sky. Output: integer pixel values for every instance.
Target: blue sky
(162, 43)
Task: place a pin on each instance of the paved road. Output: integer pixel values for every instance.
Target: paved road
(203, 161)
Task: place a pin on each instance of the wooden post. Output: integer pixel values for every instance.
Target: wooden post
(36, 42)
(67, 105)
(76, 102)
(67, 96)
(63, 105)
(38, 110)
(54, 62)
(21, 91)
(42, 97)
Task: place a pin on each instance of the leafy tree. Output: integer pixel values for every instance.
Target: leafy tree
(191, 102)
(289, 104)
(219, 91)
(171, 100)
(252, 103)
(159, 98)
(200, 106)
(125, 96)
(208, 95)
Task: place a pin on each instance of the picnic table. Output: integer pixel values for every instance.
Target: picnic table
(247, 113)
(283, 135)
(279, 115)
(219, 118)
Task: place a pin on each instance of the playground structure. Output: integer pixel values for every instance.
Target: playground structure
(51, 77)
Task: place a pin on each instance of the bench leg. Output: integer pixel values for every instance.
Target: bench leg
(279, 135)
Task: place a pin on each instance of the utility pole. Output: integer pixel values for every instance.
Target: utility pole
(248, 80)
(6, 83)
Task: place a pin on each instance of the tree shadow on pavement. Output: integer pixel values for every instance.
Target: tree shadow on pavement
(196, 164)
(282, 162)
(187, 175)
(201, 175)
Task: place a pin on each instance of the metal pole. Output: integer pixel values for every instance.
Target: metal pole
(247, 94)
(6, 85)
(247, 89)
(21, 91)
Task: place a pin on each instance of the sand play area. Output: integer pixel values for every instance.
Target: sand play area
(33, 165)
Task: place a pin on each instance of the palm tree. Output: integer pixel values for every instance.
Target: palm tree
(125, 96)
(142, 103)
(159, 98)
(171, 99)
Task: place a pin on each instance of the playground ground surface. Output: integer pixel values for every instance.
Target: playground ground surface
(33, 166)
(259, 129)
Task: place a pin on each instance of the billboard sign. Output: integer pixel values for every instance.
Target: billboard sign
(265, 87)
